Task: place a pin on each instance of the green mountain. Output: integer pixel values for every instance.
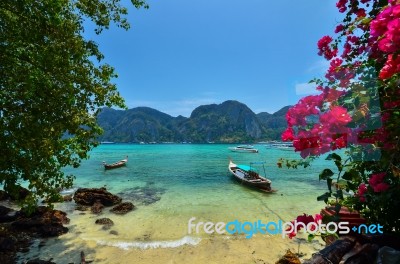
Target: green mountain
(274, 123)
(228, 122)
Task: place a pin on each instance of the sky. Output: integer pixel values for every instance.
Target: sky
(180, 54)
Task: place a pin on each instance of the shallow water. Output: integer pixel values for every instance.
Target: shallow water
(171, 183)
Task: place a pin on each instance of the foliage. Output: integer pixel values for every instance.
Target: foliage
(357, 109)
(52, 84)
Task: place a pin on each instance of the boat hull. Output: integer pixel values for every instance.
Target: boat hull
(259, 182)
(115, 165)
(111, 166)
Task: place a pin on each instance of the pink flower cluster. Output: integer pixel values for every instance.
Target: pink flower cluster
(305, 219)
(317, 131)
(341, 5)
(341, 73)
(325, 48)
(385, 36)
(377, 184)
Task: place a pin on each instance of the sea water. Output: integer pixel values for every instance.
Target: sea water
(171, 183)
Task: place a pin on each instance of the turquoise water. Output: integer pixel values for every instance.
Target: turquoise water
(171, 183)
(193, 179)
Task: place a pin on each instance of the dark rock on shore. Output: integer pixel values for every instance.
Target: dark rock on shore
(7, 214)
(289, 258)
(44, 221)
(11, 242)
(17, 236)
(123, 208)
(97, 207)
(88, 196)
(67, 198)
(104, 221)
(81, 207)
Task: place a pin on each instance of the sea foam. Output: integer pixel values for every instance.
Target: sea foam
(186, 240)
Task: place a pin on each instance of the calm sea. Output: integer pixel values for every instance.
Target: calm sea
(170, 183)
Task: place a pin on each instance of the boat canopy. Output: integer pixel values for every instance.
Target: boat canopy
(250, 168)
(245, 167)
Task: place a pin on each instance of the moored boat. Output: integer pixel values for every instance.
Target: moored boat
(115, 165)
(244, 148)
(248, 176)
(281, 146)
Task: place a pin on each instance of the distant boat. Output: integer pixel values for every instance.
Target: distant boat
(281, 146)
(248, 176)
(107, 142)
(115, 165)
(244, 148)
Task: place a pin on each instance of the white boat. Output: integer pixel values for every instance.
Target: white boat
(244, 148)
(281, 146)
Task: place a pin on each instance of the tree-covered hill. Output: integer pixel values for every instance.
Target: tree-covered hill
(230, 121)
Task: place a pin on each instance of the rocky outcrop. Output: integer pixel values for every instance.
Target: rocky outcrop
(17, 236)
(123, 208)
(88, 196)
(45, 222)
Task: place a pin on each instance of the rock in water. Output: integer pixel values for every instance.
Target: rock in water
(88, 196)
(123, 208)
(97, 207)
(288, 258)
(104, 221)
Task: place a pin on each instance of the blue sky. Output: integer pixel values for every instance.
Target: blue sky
(180, 54)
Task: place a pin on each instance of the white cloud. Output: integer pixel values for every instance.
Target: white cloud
(305, 88)
(319, 67)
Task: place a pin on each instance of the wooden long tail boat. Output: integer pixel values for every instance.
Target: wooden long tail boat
(115, 165)
(248, 176)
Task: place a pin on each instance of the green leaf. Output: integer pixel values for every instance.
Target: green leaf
(324, 197)
(333, 156)
(310, 237)
(325, 174)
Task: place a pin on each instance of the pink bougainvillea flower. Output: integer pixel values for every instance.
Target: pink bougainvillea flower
(340, 114)
(318, 218)
(381, 187)
(339, 28)
(287, 135)
(305, 219)
(378, 26)
(392, 66)
(361, 13)
(341, 5)
(325, 49)
(362, 189)
(376, 178)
